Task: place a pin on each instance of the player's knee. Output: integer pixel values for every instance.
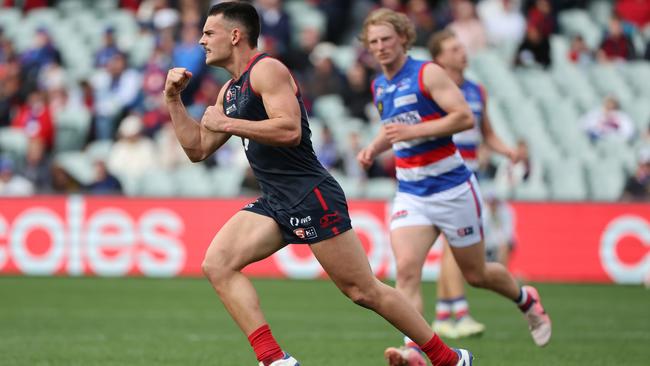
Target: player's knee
(213, 271)
(408, 273)
(475, 278)
(362, 296)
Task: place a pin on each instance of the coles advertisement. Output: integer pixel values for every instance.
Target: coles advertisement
(114, 236)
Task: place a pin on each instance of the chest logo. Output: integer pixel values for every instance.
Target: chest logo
(405, 100)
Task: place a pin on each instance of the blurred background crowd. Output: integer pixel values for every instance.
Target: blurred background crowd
(81, 108)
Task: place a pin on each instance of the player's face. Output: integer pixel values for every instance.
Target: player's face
(216, 40)
(385, 44)
(453, 55)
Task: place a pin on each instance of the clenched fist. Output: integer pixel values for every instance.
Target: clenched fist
(177, 80)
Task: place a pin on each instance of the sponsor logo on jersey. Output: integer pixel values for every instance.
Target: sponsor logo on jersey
(380, 107)
(295, 221)
(306, 233)
(330, 219)
(407, 118)
(399, 215)
(405, 100)
(404, 84)
(230, 94)
(465, 231)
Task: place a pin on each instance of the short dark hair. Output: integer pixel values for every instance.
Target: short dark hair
(243, 13)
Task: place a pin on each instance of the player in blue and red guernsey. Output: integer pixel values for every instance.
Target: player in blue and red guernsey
(452, 310)
(300, 203)
(421, 108)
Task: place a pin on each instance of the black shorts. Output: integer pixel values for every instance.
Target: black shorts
(321, 215)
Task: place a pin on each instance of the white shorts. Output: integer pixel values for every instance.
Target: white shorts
(456, 212)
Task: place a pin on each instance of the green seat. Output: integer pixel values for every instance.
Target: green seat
(577, 21)
(566, 180)
(606, 179)
(538, 84)
(193, 180)
(227, 181)
(608, 81)
(156, 183)
(72, 126)
(329, 107)
(13, 142)
(99, 150)
(575, 84)
(78, 165)
(531, 191)
(380, 188)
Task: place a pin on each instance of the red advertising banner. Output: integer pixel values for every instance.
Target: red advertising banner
(110, 236)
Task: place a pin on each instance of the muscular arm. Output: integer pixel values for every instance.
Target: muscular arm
(273, 82)
(447, 95)
(197, 141)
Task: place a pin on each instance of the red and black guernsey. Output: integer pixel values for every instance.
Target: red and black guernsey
(286, 175)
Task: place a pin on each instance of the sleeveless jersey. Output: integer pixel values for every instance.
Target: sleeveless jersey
(285, 174)
(467, 141)
(424, 166)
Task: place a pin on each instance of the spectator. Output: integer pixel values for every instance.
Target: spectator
(503, 21)
(326, 78)
(108, 49)
(357, 94)
(579, 52)
(40, 54)
(608, 121)
(12, 184)
(534, 50)
(10, 80)
(616, 45)
(327, 151)
(499, 222)
(637, 186)
(34, 118)
(541, 17)
(298, 58)
(337, 13)
(276, 27)
(422, 17)
(646, 56)
(469, 30)
(117, 88)
(104, 182)
(188, 53)
(133, 154)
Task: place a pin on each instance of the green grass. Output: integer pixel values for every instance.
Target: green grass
(136, 321)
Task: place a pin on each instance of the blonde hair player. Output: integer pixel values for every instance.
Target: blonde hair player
(421, 108)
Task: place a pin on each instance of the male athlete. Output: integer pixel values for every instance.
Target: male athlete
(300, 202)
(447, 51)
(420, 108)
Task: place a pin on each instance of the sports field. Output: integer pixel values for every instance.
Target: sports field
(89, 321)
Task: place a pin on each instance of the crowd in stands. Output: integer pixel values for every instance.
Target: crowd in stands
(122, 94)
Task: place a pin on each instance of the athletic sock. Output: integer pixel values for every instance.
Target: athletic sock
(266, 348)
(439, 353)
(459, 307)
(524, 301)
(443, 310)
(408, 342)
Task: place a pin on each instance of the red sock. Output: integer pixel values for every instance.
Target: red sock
(266, 348)
(438, 352)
